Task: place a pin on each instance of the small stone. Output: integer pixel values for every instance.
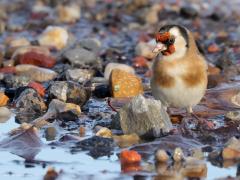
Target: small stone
(102, 91)
(58, 90)
(5, 113)
(215, 80)
(13, 81)
(124, 84)
(51, 174)
(213, 48)
(91, 44)
(96, 145)
(18, 42)
(8, 70)
(79, 75)
(178, 155)
(236, 99)
(8, 63)
(130, 157)
(80, 57)
(70, 92)
(36, 73)
(194, 169)
(37, 59)
(29, 101)
(69, 13)
(38, 87)
(231, 149)
(54, 36)
(233, 115)
(145, 49)
(161, 156)
(112, 66)
(27, 49)
(212, 70)
(145, 117)
(198, 153)
(50, 133)
(152, 15)
(82, 131)
(140, 62)
(189, 12)
(3, 99)
(59, 110)
(126, 140)
(104, 132)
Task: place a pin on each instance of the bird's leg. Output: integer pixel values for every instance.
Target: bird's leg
(190, 111)
(210, 125)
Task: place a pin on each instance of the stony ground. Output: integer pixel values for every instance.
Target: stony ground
(75, 99)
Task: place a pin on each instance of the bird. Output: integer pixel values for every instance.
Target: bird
(179, 70)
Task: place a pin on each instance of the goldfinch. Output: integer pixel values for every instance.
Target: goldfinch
(179, 70)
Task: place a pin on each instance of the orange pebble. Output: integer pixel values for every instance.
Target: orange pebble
(140, 61)
(130, 157)
(3, 99)
(38, 87)
(213, 48)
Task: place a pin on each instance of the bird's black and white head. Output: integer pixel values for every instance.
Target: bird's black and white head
(172, 41)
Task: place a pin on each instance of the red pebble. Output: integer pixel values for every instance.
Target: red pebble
(10, 70)
(37, 59)
(130, 157)
(140, 61)
(213, 48)
(38, 87)
(143, 37)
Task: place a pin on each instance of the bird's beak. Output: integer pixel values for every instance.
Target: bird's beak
(159, 47)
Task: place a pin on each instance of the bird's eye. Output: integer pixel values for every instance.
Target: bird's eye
(171, 40)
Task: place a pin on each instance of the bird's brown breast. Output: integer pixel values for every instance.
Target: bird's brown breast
(192, 74)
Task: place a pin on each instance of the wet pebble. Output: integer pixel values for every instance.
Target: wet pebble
(50, 133)
(194, 168)
(38, 87)
(104, 132)
(188, 12)
(37, 59)
(70, 92)
(13, 81)
(102, 91)
(145, 117)
(55, 37)
(124, 84)
(5, 114)
(91, 44)
(178, 155)
(112, 66)
(51, 174)
(79, 75)
(126, 140)
(69, 13)
(3, 99)
(96, 145)
(81, 57)
(29, 101)
(36, 73)
(130, 157)
(161, 156)
(231, 149)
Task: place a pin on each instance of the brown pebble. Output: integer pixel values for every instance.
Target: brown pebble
(161, 156)
(82, 131)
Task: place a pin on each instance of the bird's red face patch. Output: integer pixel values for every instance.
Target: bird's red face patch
(165, 39)
(162, 37)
